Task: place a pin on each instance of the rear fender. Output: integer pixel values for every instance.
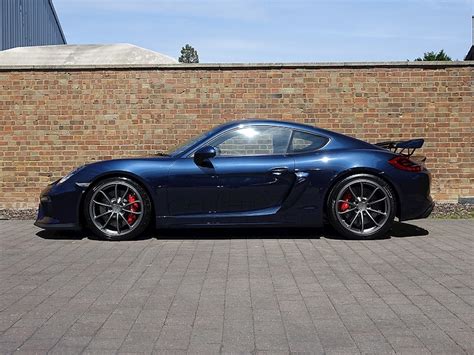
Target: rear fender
(363, 170)
(327, 167)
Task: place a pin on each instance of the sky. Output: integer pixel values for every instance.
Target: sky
(265, 31)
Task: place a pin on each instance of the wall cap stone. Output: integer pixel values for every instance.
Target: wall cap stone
(244, 66)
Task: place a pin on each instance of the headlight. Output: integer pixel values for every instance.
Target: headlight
(67, 176)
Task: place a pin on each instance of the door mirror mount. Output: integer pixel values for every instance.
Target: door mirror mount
(205, 153)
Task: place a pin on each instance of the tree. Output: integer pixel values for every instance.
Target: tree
(434, 56)
(188, 55)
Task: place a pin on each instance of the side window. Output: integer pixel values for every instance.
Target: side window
(253, 140)
(303, 142)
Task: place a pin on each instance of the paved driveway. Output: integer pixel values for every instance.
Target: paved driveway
(246, 291)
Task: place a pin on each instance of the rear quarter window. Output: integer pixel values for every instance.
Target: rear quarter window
(303, 142)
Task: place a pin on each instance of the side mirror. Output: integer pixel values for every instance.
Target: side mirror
(205, 153)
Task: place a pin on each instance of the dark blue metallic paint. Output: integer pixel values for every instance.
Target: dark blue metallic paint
(288, 189)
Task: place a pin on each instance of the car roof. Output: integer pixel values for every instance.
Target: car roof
(342, 139)
(287, 124)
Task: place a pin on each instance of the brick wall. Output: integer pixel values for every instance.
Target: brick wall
(52, 120)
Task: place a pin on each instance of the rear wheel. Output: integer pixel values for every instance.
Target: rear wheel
(117, 209)
(361, 206)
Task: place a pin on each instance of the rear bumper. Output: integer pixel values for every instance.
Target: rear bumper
(428, 211)
(415, 198)
(423, 211)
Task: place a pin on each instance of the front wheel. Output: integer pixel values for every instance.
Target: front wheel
(117, 209)
(361, 206)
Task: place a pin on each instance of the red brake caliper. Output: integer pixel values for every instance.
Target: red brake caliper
(345, 205)
(133, 207)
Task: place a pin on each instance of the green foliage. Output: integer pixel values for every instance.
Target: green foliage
(188, 55)
(431, 56)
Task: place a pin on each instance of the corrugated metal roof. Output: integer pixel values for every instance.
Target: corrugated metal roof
(29, 23)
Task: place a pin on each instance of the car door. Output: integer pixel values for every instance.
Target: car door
(255, 173)
(192, 189)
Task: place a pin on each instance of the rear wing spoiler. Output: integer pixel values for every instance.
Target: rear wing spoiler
(406, 148)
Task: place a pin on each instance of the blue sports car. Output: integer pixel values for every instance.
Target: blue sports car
(247, 173)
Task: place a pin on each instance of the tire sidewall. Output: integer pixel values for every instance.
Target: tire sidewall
(147, 208)
(332, 203)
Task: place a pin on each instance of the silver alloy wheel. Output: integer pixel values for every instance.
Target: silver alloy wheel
(116, 208)
(362, 206)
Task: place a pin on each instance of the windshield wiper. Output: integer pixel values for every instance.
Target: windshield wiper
(162, 154)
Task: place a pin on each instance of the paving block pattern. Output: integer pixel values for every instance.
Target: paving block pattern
(244, 291)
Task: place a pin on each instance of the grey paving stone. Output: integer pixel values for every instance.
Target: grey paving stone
(198, 348)
(67, 350)
(9, 347)
(202, 335)
(174, 338)
(235, 338)
(139, 342)
(17, 334)
(270, 336)
(33, 344)
(370, 343)
(99, 344)
(74, 341)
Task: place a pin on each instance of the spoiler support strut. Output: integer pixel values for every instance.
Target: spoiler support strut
(406, 148)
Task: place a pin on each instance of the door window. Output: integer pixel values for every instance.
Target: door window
(253, 141)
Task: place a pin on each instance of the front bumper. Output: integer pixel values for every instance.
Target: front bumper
(51, 224)
(58, 208)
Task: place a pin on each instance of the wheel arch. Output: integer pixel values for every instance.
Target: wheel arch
(108, 175)
(361, 170)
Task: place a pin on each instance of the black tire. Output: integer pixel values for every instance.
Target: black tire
(123, 209)
(360, 206)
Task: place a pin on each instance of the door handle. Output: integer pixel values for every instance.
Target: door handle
(279, 171)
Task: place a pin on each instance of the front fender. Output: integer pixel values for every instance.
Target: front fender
(151, 174)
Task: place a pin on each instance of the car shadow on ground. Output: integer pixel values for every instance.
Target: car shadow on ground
(399, 230)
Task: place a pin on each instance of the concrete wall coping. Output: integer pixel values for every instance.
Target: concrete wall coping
(243, 66)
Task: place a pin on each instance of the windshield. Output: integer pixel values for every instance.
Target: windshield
(182, 147)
